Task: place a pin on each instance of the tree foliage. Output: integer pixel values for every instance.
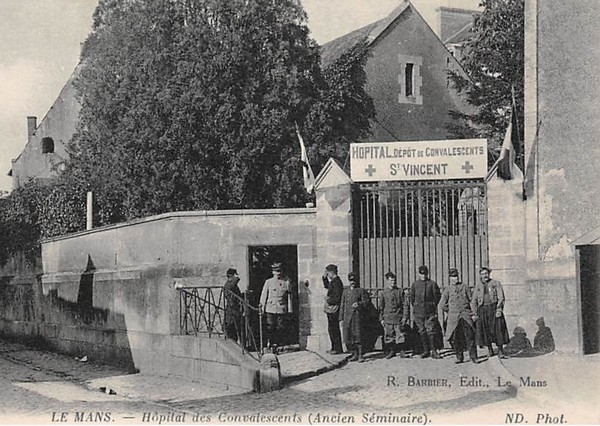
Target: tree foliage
(494, 62)
(36, 211)
(191, 104)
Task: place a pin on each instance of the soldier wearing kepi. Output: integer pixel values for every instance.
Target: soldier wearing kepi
(276, 303)
(424, 298)
(355, 301)
(233, 311)
(392, 305)
(460, 331)
(488, 305)
(333, 298)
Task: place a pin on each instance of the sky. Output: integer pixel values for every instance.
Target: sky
(40, 42)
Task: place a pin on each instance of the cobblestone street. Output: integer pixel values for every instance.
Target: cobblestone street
(38, 386)
(35, 384)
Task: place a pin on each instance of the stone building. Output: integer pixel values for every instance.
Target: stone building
(406, 76)
(45, 149)
(548, 244)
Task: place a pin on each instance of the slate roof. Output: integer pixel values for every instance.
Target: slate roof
(333, 50)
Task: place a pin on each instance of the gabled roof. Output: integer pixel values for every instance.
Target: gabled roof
(333, 50)
(331, 175)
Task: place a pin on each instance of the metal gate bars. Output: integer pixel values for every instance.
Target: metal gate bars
(399, 226)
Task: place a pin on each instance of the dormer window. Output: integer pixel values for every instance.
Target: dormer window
(47, 145)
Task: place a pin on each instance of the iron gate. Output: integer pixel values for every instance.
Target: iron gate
(399, 226)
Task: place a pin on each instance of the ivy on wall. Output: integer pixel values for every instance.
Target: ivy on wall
(37, 211)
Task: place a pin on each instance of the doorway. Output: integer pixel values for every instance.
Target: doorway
(260, 259)
(589, 279)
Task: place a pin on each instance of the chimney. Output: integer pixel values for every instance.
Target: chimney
(31, 126)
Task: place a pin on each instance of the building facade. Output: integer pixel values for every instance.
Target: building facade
(407, 76)
(45, 150)
(549, 245)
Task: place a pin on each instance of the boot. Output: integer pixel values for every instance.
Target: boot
(354, 356)
(490, 351)
(434, 352)
(425, 342)
(473, 353)
(501, 353)
(390, 352)
(360, 353)
(399, 349)
(460, 357)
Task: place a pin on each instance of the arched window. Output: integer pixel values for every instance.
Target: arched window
(47, 145)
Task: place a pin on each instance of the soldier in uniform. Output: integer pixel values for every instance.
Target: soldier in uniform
(392, 305)
(460, 331)
(276, 303)
(488, 305)
(333, 298)
(233, 311)
(424, 298)
(355, 302)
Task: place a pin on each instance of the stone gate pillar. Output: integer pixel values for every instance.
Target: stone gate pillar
(334, 243)
(506, 239)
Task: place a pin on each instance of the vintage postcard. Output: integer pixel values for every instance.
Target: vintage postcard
(299, 212)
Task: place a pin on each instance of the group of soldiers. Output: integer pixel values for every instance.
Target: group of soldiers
(473, 317)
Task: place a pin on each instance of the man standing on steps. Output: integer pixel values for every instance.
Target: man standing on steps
(333, 298)
(276, 303)
(424, 298)
(392, 305)
(233, 308)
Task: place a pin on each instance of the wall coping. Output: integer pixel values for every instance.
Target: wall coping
(185, 214)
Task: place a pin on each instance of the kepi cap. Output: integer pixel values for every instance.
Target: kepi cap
(423, 269)
(331, 268)
(231, 271)
(276, 266)
(453, 272)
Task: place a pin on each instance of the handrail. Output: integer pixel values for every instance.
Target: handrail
(203, 310)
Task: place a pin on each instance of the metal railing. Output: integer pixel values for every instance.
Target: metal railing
(204, 311)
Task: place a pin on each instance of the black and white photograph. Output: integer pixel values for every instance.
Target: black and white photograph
(232, 212)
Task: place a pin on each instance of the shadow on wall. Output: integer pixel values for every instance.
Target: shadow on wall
(76, 328)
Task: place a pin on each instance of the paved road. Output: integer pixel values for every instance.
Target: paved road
(35, 386)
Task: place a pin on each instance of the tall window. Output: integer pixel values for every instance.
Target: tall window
(409, 82)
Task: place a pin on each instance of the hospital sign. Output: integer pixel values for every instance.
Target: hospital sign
(420, 160)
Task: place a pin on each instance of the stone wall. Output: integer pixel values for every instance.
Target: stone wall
(111, 292)
(561, 131)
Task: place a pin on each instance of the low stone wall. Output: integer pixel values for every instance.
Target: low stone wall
(111, 293)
